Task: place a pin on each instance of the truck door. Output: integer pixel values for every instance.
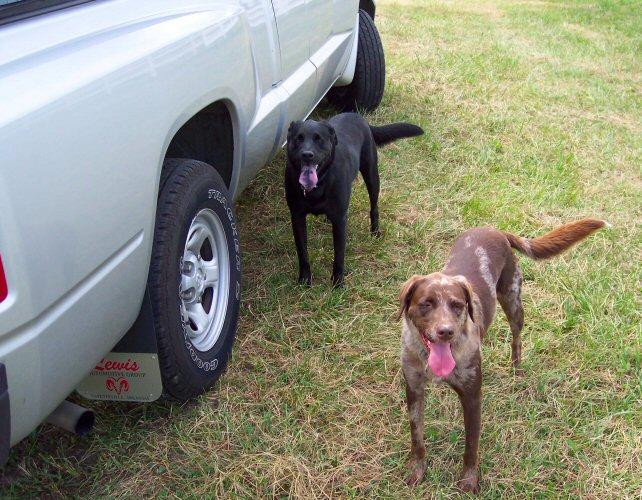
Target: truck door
(295, 26)
(265, 43)
(264, 130)
(331, 38)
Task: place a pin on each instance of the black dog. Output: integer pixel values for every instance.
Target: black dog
(323, 161)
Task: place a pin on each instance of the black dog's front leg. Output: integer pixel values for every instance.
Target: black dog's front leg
(339, 229)
(300, 231)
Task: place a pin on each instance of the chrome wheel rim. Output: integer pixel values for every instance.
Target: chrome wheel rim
(205, 280)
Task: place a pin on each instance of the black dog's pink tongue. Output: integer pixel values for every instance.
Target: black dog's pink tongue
(308, 178)
(441, 359)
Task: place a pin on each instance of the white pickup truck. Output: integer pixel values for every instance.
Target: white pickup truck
(127, 130)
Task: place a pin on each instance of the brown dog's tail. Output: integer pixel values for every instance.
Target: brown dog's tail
(557, 241)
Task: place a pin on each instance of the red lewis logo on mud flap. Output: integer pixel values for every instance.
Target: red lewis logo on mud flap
(118, 385)
(127, 366)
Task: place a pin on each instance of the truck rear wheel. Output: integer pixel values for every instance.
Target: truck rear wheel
(366, 90)
(195, 277)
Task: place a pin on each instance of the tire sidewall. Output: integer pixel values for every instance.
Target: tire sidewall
(198, 369)
(364, 93)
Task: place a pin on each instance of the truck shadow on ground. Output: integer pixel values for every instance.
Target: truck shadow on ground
(58, 452)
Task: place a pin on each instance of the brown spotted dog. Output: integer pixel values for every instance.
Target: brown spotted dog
(446, 315)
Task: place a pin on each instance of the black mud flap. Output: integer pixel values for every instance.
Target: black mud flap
(5, 417)
(130, 372)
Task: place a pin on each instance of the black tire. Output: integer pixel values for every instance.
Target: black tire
(366, 90)
(190, 187)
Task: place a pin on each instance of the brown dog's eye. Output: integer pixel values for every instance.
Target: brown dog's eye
(426, 304)
(457, 307)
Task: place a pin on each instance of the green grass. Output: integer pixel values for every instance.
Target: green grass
(532, 113)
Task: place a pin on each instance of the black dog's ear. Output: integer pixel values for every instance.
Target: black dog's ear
(293, 129)
(333, 134)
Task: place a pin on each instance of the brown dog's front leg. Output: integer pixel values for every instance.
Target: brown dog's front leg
(471, 402)
(415, 399)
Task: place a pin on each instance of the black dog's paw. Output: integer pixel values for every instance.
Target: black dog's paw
(374, 223)
(305, 279)
(337, 281)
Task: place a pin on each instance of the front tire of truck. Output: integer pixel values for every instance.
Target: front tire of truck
(366, 90)
(195, 277)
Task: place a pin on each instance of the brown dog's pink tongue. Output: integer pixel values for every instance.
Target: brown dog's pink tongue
(441, 359)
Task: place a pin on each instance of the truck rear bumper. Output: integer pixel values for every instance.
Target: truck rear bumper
(46, 357)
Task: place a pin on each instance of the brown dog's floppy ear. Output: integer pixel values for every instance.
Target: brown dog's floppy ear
(406, 294)
(468, 292)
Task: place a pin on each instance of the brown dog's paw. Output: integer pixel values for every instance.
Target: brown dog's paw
(418, 469)
(469, 482)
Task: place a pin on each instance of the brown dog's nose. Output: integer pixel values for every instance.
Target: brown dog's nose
(444, 332)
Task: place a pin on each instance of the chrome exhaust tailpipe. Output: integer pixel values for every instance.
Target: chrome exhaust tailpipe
(72, 418)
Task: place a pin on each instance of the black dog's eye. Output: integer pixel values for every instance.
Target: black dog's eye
(300, 137)
(317, 137)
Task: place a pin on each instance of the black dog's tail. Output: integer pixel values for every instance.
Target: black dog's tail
(389, 133)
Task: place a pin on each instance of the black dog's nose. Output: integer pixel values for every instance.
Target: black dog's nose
(307, 155)
(444, 332)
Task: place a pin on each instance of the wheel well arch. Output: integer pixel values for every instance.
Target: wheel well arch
(208, 136)
(368, 6)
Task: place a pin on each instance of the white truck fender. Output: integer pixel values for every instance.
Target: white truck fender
(348, 73)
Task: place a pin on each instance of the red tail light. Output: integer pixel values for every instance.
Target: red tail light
(4, 290)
